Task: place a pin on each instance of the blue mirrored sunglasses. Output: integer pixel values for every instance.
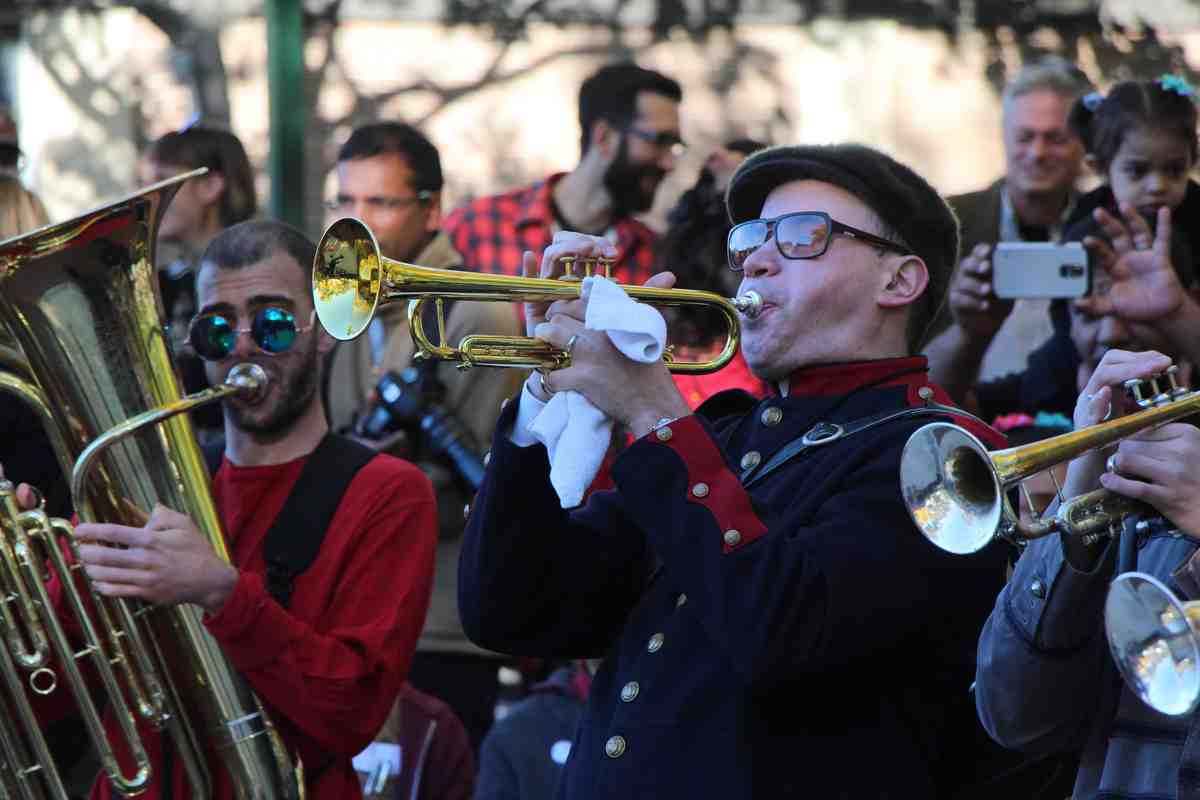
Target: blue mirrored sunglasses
(214, 336)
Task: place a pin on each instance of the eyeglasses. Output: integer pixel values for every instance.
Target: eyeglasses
(214, 336)
(377, 204)
(662, 140)
(804, 234)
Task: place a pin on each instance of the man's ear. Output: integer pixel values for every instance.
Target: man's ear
(605, 139)
(433, 212)
(209, 187)
(903, 282)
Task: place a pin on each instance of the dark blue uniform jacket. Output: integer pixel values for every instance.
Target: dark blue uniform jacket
(801, 639)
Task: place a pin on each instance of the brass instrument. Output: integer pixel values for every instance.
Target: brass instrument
(955, 488)
(352, 278)
(1155, 640)
(81, 301)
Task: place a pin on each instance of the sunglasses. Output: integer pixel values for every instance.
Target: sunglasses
(660, 140)
(805, 234)
(214, 336)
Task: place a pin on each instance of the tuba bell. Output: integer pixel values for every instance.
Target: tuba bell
(92, 357)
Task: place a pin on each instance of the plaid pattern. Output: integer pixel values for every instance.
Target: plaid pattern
(492, 232)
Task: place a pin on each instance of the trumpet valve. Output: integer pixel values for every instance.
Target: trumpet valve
(568, 265)
(1134, 387)
(1172, 374)
(606, 266)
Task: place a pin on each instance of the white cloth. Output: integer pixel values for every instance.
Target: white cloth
(576, 433)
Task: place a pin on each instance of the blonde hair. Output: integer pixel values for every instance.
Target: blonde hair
(20, 209)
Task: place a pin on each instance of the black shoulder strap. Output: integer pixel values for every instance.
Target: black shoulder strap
(213, 453)
(824, 433)
(295, 537)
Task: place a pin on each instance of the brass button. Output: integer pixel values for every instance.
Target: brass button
(656, 642)
(732, 537)
(615, 746)
(663, 434)
(467, 511)
(772, 416)
(700, 490)
(679, 601)
(487, 458)
(751, 459)
(1038, 588)
(629, 691)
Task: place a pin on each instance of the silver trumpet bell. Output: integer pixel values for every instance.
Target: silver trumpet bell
(1154, 640)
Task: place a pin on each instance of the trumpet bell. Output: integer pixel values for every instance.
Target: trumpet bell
(346, 278)
(950, 489)
(1153, 643)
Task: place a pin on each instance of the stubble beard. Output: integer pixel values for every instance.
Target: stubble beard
(296, 387)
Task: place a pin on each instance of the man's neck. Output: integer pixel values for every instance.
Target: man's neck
(582, 201)
(1044, 209)
(248, 449)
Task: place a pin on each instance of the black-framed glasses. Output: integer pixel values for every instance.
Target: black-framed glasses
(662, 140)
(378, 203)
(214, 335)
(804, 234)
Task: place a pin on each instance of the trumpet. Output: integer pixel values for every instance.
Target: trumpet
(955, 488)
(1155, 639)
(352, 279)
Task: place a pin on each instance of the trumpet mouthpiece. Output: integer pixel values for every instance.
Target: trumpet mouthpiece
(250, 380)
(748, 304)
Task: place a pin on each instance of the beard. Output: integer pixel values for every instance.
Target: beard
(296, 383)
(624, 181)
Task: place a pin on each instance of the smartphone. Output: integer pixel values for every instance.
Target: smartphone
(1040, 269)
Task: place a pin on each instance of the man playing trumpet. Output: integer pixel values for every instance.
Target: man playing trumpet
(770, 624)
(1046, 681)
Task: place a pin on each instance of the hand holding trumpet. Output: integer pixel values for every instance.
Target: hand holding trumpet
(1158, 465)
(635, 395)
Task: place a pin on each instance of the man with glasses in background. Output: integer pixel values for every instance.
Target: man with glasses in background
(630, 140)
(389, 175)
(771, 621)
(331, 544)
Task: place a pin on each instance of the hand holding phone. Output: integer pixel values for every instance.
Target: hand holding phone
(1040, 270)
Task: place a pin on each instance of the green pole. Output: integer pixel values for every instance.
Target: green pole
(285, 87)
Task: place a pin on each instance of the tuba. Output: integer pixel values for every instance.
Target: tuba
(80, 300)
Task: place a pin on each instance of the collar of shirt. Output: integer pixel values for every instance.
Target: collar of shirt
(1010, 229)
(835, 379)
(537, 208)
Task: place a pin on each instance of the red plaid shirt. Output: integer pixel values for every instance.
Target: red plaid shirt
(492, 232)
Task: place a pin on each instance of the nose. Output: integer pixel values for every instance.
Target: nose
(667, 160)
(243, 346)
(764, 261)
(1037, 147)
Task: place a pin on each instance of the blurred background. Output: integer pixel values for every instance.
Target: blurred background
(494, 83)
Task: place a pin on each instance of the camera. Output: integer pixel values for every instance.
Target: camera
(1040, 269)
(410, 399)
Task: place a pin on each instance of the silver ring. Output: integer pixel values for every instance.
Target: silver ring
(571, 342)
(1111, 464)
(546, 390)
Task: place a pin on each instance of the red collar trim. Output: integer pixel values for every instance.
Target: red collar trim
(835, 379)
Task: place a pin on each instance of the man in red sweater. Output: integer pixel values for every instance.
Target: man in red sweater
(327, 654)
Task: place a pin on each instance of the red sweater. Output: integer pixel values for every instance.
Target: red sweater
(329, 668)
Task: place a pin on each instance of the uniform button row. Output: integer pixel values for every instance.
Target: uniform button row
(656, 642)
(629, 692)
(615, 746)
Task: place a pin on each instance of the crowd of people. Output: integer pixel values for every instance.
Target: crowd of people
(741, 604)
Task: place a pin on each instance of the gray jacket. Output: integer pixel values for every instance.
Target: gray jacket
(1046, 682)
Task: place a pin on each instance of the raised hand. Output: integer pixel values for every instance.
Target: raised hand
(1145, 286)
